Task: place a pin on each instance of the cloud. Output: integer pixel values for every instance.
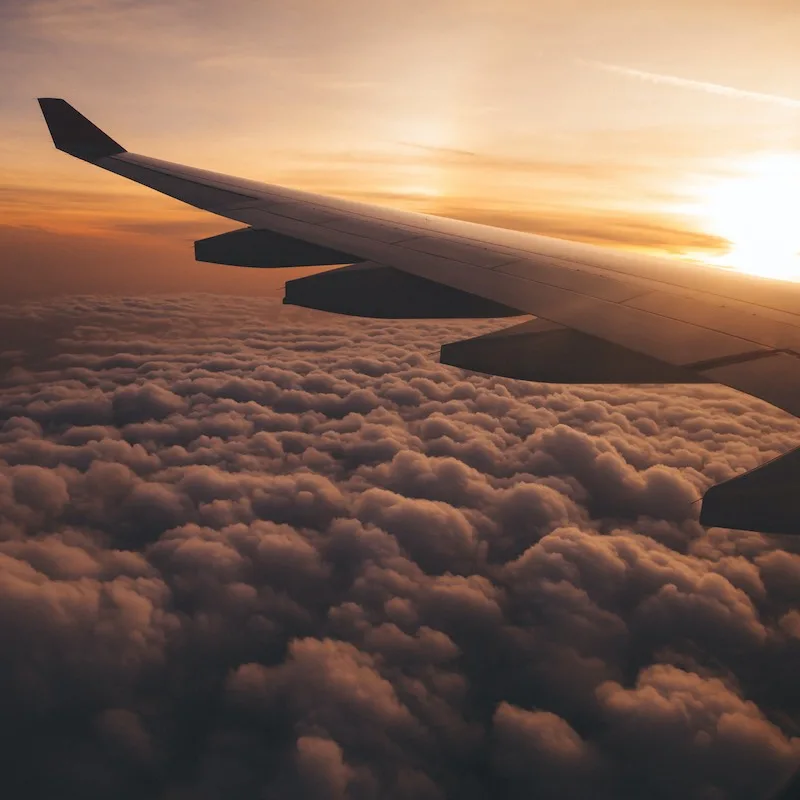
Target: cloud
(593, 225)
(542, 753)
(699, 86)
(695, 719)
(256, 551)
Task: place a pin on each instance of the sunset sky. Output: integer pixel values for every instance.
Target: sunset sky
(642, 123)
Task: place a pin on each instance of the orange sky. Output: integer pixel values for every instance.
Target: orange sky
(616, 123)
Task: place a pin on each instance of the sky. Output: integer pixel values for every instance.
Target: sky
(254, 551)
(665, 126)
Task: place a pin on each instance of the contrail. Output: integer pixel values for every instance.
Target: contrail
(699, 86)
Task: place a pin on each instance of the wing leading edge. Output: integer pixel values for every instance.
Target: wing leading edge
(603, 316)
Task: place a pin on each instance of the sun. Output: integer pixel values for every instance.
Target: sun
(758, 212)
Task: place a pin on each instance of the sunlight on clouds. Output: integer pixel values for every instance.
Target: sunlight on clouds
(757, 211)
(422, 189)
(422, 173)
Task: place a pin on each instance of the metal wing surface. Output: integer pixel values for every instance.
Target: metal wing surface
(603, 316)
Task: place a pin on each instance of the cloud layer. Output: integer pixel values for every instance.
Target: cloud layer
(251, 554)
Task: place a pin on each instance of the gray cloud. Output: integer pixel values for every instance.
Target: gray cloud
(258, 552)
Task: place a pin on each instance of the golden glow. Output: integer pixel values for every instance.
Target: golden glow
(422, 181)
(559, 118)
(417, 190)
(758, 213)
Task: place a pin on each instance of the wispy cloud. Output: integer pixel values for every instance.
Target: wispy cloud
(699, 86)
(436, 150)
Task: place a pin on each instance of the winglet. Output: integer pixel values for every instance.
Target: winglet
(74, 134)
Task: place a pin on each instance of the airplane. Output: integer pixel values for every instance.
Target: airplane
(602, 316)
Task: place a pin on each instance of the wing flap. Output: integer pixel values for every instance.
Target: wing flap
(258, 248)
(539, 350)
(375, 290)
(765, 499)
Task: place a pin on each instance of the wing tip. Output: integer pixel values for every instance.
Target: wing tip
(74, 134)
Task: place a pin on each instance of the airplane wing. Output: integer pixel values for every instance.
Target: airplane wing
(602, 316)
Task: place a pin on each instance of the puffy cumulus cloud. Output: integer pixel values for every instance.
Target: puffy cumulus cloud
(701, 725)
(542, 755)
(255, 552)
